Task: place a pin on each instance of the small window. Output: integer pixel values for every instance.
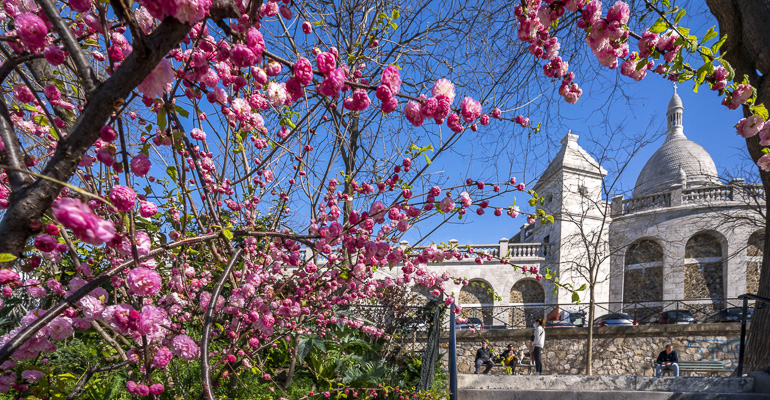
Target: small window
(547, 239)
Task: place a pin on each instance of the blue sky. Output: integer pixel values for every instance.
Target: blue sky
(638, 110)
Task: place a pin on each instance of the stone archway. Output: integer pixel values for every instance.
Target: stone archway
(704, 267)
(526, 298)
(479, 295)
(643, 272)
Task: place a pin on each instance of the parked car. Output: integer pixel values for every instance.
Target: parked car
(615, 319)
(732, 314)
(676, 317)
(472, 323)
(417, 325)
(576, 317)
(559, 324)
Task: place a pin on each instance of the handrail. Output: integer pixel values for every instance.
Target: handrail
(745, 297)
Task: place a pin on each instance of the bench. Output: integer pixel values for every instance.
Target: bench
(524, 365)
(712, 367)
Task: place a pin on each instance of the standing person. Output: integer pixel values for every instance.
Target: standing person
(484, 356)
(537, 345)
(667, 359)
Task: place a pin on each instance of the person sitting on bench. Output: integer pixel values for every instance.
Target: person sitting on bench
(667, 359)
(484, 356)
(509, 358)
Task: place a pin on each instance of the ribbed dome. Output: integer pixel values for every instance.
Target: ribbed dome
(679, 161)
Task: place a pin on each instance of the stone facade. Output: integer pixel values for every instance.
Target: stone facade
(476, 292)
(648, 284)
(703, 281)
(617, 350)
(752, 276)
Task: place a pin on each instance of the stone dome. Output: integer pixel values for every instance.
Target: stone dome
(679, 161)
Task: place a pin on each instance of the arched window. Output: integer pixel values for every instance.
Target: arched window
(479, 295)
(643, 272)
(527, 297)
(527, 291)
(754, 250)
(703, 267)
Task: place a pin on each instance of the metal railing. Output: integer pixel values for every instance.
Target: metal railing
(645, 313)
(763, 301)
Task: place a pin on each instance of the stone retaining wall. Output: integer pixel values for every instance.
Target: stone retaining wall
(617, 350)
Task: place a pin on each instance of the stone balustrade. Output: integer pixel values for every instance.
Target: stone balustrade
(735, 192)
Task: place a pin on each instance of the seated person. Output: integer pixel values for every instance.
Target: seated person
(667, 359)
(510, 358)
(484, 356)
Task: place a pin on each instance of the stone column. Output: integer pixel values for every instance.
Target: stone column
(616, 208)
(503, 247)
(673, 269)
(734, 277)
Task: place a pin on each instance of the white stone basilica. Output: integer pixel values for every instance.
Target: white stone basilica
(684, 235)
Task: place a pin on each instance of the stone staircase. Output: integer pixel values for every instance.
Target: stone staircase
(603, 387)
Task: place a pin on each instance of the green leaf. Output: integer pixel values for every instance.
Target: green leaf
(171, 171)
(162, 119)
(761, 110)
(704, 70)
(575, 297)
(659, 26)
(718, 45)
(181, 111)
(427, 159)
(581, 288)
(227, 234)
(5, 257)
(710, 34)
(679, 16)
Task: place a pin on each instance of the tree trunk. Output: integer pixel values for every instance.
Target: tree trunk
(745, 24)
(590, 344)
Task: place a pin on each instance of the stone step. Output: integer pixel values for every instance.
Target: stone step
(476, 394)
(606, 383)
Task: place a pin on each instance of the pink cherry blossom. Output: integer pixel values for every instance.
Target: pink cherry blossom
(185, 348)
(413, 113)
(32, 375)
(122, 197)
(443, 87)
(140, 165)
(32, 31)
(162, 358)
(23, 94)
(157, 389)
(45, 243)
(144, 281)
(326, 62)
(307, 28)
(79, 218)
(303, 71)
(392, 78)
(147, 209)
(332, 83)
(471, 109)
(54, 55)
(158, 81)
(358, 100)
(60, 328)
(276, 93)
(750, 126)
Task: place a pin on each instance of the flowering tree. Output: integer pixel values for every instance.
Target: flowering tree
(174, 166)
(171, 169)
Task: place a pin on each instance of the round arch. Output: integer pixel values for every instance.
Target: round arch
(704, 266)
(643, 271)
(480, 295)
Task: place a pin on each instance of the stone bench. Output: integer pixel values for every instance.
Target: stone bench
(712, 367)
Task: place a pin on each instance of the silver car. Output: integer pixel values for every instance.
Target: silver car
(615, 319)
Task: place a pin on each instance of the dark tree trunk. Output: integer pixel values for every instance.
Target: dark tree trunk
(745, 22)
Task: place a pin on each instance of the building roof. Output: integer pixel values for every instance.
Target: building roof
(679, 161)
(573, 157)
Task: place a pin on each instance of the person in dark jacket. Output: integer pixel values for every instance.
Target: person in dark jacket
(667, 359)
(484, 356)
